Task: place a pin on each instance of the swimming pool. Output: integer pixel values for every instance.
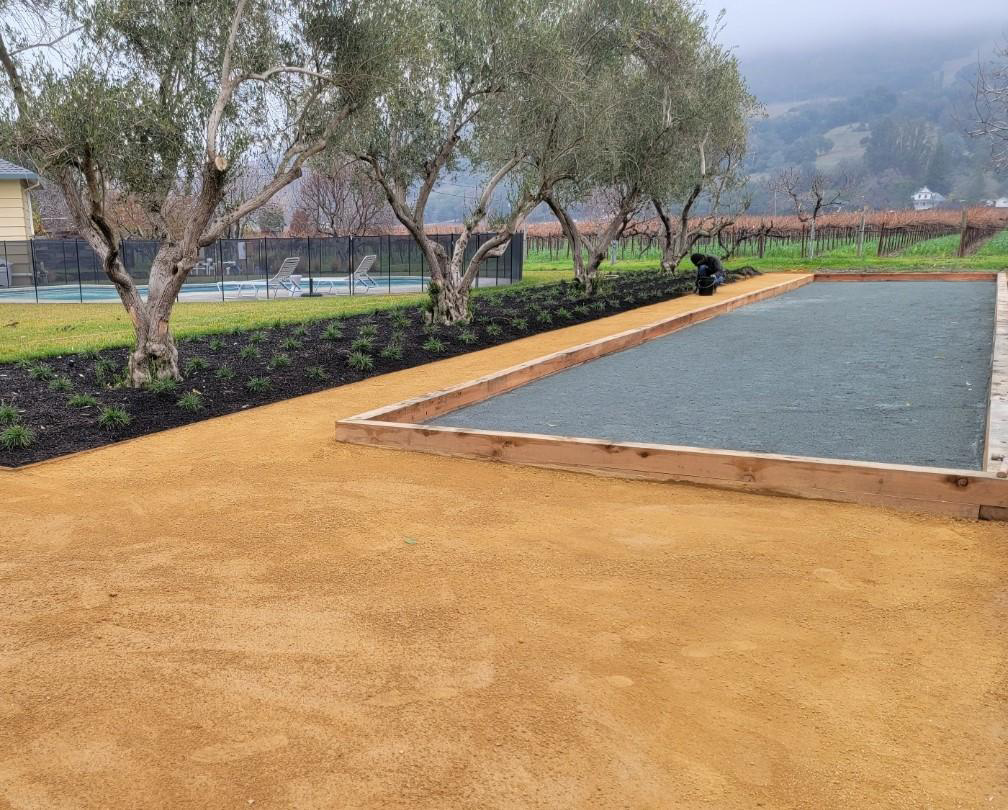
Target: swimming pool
(209, 291)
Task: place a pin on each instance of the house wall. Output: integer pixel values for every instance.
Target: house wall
(15, 210)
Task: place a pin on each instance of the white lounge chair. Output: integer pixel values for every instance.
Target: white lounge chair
(281, 281)
(359, 277)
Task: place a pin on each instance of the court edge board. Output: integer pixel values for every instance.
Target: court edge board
(961, 493)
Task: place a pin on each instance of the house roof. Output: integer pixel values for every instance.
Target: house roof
(11, 171)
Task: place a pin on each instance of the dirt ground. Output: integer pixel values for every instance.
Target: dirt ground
(244, 613)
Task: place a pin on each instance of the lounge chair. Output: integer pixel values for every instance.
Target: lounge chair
(281, 281)
(359, 277)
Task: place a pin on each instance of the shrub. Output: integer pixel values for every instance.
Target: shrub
(362, 345)
(317, 374)
(191, 401)
(112, 418)
(290, 344)
(40, 371)
(519, 324)
(17, 437)
(61, 383)
(393, 351)
(216, 344)
(194, 365)
(104, 369)
(468, 336)
(360, 361)
(334, 331)
(368, 330)
(249, 353)
(279, 360)
(225, 372)
(494, 330)
(258, 385)
(8, 414)
(434, 345)
(162, 387)
(82, 401)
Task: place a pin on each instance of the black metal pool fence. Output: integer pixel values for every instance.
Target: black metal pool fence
(231, 269)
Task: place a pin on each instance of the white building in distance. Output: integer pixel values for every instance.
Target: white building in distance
(925, 199)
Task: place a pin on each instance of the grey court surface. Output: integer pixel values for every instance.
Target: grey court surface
(896, 372)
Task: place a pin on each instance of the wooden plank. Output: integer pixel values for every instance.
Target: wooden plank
(437, 403)
(905, 276)
(996, 435)
(947, 491)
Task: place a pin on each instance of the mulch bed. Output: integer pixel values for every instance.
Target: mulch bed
(317, 358)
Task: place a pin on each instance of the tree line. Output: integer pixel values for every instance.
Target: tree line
(625, 103)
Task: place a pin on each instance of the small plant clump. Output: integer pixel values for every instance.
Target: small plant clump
(400, 317)
(194, 365)
(82, 401)
(113, 418)
(434, 345)
(301, 330)
(362, 344)
(317, 374)
(256, 337)
(519, 324)
(8, 414)
(258, 385)
(369, 331)
(60, 383)
(162, 387)
(393, 350)
(334, 331)
(40, 371)
(216, 344)
(468, 336)
(104, 370)
(191, 401)
(359, 361)
(225, 372)
(279, 360)
(290, 344)
(17, 437)
(563, 313)
(249, 353)
(494, 330)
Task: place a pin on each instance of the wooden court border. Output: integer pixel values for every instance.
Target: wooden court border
(963, 493)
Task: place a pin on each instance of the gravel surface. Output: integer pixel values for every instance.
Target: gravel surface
(873, 371)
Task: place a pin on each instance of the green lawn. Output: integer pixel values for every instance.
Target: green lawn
(40, 330)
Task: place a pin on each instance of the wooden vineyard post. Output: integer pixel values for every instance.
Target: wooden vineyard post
(860, 241)
(962, 235)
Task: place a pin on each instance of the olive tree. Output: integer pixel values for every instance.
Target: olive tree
(493, 87)
(674, 94)
(159, 102)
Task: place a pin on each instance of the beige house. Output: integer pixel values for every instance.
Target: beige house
(15, 202)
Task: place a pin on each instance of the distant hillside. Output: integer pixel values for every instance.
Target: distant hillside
(888, 115)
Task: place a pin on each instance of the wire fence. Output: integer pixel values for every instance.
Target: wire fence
(68, 270)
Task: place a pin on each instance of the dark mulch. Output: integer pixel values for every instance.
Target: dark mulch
(318, 359)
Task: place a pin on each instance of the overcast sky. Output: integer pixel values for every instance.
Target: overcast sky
(756, 26)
